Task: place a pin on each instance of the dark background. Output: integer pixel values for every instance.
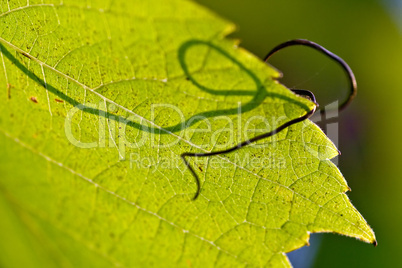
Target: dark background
(368, 35)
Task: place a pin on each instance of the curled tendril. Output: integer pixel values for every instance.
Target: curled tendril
(336, 58)
(301, 92)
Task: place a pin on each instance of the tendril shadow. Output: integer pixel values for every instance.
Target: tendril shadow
(258, 96)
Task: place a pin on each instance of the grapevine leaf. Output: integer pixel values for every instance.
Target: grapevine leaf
(99, 101)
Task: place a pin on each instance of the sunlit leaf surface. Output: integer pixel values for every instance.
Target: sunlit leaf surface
(99, 100)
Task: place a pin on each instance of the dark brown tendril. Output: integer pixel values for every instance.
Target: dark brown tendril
(301, 92)
(336, 58)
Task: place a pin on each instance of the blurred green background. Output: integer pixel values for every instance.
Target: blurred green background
(368, 35)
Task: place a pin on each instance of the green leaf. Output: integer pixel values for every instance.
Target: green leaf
(90, 167)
